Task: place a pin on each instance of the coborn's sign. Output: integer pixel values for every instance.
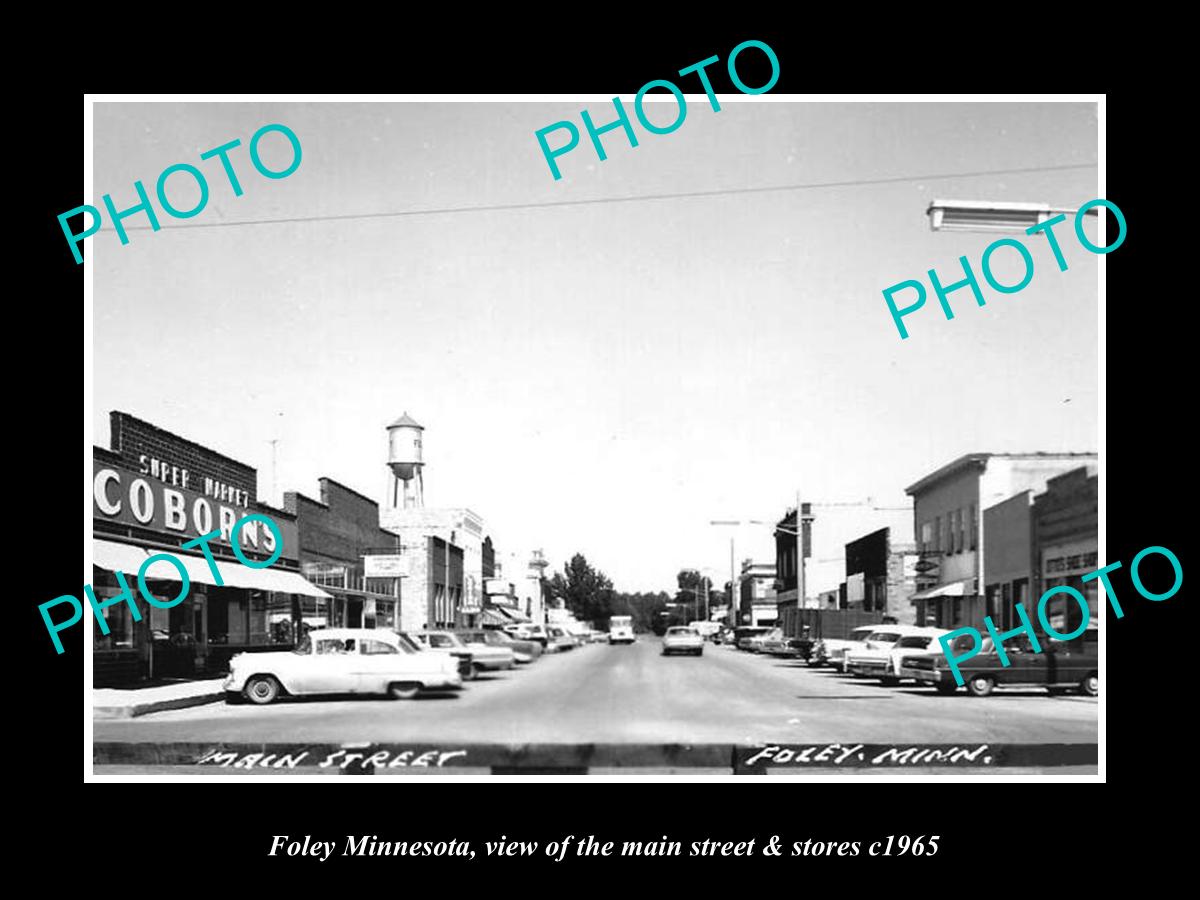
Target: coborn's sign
(124, 496)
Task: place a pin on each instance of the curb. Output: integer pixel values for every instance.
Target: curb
(141, 709)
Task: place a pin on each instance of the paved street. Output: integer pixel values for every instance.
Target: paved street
(599, 693)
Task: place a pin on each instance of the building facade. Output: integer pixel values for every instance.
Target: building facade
(1066, 545)
(758, 604)
(153, 491)
(337, 532)
(1008, 558)
(460, 536)
(947, 519)
(881, 576)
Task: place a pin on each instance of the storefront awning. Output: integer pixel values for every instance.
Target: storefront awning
(492, 617)
(238, 576)
(512, 614)
(953, 589)
(117, 557)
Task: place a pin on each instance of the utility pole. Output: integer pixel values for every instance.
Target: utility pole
(274, 468)
(800, 587)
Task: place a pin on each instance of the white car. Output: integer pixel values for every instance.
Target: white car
(909, 645)
(681, 639)
(871, 656)
(832, 651)
(342, 661)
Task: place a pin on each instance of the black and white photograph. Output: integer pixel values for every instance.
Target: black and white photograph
(687, 435)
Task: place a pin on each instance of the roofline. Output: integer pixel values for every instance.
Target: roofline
(178, 437)
(981, 460)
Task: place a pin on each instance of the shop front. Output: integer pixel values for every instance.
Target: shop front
(153, 493)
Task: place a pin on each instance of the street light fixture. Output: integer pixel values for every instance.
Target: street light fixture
(991, 215)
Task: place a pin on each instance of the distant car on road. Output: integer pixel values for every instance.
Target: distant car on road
(483, 658)
(522, 651)
(620, 630)
(1062, 665)
(682, 639)
(341, 661)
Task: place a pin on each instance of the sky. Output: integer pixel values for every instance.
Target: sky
(604, 378)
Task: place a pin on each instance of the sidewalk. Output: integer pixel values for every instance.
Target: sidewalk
(111, 703)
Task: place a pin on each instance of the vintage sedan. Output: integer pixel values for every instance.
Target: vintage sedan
(909, 645)
(483, 657)
(1061, 665)
(832, 651)
(870, 658)
(341, 661)
(787, 647)
(682, 639)
(523, 651)
(559, 639)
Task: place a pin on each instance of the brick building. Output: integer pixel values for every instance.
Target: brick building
(152, 492)
(880, 576)
(336, 533)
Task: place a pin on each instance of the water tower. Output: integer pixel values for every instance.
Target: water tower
(407, 489)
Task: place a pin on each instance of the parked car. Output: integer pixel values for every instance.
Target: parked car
(832, 651)
(744, 636)
(870, 658)
(527, 632)
(706, 629)
(682, 639)
(786, 647)
(559, 639)
(522, 651)
(909, 645)
(1062, 665)
(341, 661)
(483, 658)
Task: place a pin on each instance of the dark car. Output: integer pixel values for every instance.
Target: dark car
(1061, 665)
(744, 636)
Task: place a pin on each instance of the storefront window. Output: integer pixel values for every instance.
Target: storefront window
(385, 614)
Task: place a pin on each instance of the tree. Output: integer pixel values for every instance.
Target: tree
(586, 592)
(692, 590)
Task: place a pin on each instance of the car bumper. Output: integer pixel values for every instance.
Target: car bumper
(867, 666)
(494, 665)
(436, 682)
(926, 676)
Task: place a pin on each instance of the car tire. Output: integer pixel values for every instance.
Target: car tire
(981, 685)
(700, 652)
(404, 690)
(1090, 686)
(946, 688)
(261, 689)
(476, 670)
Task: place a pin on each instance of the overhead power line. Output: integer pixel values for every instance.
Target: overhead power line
(550, 204)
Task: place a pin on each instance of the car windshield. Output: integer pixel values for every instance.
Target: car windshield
(412, 645)
(443, 641)
(889, 636)
(496, 638)
(915, 640)
(682, 631)
(304, 648)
